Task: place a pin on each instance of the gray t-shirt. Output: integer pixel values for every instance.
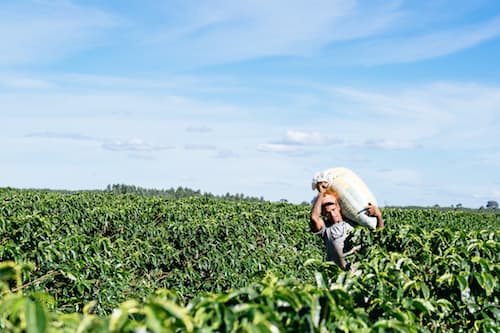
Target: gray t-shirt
(334, 236)
(335, 231)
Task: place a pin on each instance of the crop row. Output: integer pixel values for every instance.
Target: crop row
(96, 260)
(109, 247)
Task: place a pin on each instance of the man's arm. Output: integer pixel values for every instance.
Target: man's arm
(374, 211)
(315, 220)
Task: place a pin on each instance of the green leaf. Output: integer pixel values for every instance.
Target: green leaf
(68, 321)
(423, 305)
(8, 271)
(36, 317)
(446, 277)
(117, 320)
(486, 281)
(425, 290)
(92, 324)
(444, 307)
(155, 320)
(169, 309)
(384, 324)
(462, 282)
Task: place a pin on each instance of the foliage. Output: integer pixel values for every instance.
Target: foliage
(106, 262)
(108, 247)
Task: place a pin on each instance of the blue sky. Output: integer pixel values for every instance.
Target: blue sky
(253, 97)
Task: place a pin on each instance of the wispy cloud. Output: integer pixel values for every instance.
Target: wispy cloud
(199, 147)
(62, 136)
(133, 145)
(276, 148)
(115, 101)
(44, 31)
(438, 113)
(392, 31)
(388, 144)
(248, 30)
(434, 115)
(40, 31)
(226, 153)
(416, 46)
(23, 82)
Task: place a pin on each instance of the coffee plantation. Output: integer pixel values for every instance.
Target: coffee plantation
(110, 262)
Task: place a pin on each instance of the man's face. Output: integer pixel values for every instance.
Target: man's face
(331, 209)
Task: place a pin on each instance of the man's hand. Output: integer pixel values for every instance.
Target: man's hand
(322, 186)
(374, 211)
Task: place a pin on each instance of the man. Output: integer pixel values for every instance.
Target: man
(326, 220)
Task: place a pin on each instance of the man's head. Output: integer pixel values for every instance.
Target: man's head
(330, 207)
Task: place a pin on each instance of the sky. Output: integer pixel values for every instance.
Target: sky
(253, 97)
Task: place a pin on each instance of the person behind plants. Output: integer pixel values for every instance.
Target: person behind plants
(326, 220)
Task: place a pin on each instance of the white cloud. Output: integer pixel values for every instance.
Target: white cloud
(304, 138)
(436, 114)
(294, 143)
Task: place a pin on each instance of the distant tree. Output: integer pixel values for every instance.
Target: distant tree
(458, 206)
(492, 204)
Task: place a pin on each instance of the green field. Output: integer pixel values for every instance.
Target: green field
(107, 262)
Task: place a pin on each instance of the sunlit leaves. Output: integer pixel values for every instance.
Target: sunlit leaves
(220, 266)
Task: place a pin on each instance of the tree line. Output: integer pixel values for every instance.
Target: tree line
(175, 193)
